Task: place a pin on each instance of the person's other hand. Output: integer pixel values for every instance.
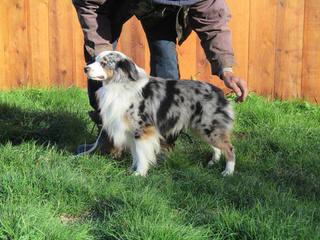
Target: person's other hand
(236, 84)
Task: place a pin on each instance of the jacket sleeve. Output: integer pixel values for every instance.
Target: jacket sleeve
(209, 19)
(95, 25)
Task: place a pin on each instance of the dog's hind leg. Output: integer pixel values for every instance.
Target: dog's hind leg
(144, 149)
(221, 141)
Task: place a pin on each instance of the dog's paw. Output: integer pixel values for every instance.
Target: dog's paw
(140, 174)
(227, 172)
(211, 163)
(116, 153)
(229, 169)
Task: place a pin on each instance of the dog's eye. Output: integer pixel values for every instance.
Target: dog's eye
(103, 64)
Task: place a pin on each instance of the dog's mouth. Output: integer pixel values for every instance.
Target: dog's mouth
(98, 78)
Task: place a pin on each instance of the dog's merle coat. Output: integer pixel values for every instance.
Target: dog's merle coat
(138, 111)
(174, 105)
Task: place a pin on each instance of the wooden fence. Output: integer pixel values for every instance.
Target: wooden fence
(276, 42)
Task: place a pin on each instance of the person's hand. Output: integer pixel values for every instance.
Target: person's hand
(236, 84)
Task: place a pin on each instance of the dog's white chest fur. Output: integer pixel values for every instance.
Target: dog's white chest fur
(113, 103)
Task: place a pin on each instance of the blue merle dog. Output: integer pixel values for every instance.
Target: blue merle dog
(138, 111)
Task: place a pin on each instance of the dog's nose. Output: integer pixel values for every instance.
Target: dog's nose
(86, 69)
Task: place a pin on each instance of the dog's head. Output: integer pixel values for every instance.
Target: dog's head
(112, 66)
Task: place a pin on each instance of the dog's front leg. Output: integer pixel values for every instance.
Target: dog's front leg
(144, 154)
(134, 155)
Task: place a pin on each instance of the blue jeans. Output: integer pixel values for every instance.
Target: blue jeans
(161, 38)
(163, 59)
(163, 55)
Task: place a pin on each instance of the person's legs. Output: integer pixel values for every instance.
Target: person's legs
(161, 38)
(117, 14)
(163, 59)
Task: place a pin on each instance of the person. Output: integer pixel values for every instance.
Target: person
(165, 23)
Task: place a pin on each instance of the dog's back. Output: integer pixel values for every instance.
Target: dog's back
(174, 105)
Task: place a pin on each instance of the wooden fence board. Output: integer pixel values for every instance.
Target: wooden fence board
(61, 42)
(38, 22)
(187, 54)
(311, 56)
(126, 39)
(262, 46)
(78, 54)
(133, 42)
(17, 54)
(203, 66)
(3, 44)
(289, 44)
(239, 24)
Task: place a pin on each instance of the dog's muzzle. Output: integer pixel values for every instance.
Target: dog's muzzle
(86, 69)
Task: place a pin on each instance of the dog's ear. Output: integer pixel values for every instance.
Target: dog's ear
(129, 68)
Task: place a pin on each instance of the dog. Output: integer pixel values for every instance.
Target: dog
(139, 111)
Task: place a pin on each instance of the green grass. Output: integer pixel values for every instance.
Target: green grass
(46, 193)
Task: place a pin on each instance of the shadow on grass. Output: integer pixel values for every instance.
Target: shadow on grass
(61, 128)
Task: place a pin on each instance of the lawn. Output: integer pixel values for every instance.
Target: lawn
(47, 193)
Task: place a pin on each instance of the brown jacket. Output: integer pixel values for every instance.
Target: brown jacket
(102, 24)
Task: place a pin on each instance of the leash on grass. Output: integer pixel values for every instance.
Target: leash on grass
(94, 147)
